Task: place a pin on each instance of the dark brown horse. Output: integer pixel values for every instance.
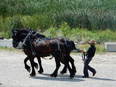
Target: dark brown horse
(69, 46)
(25, 40)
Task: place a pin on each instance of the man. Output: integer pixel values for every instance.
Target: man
(89, 55)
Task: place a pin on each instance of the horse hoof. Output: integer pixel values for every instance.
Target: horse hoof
(32, 75)
(94, 73)
(40, 71)
(72, 76)
(53, 75)
(62, 72)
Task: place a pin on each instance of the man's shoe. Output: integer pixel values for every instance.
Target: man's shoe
(94, 73)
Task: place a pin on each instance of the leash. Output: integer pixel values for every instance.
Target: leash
(83, 56)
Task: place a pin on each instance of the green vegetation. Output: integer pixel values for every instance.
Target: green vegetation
(9, 49)
(78, 35)
(91, 14)
(79, 20)
(99, 48)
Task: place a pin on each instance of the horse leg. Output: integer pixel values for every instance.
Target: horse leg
(35, 64)
(71, 60)
(72, 74)
(40, 65)
(72, 63)
(57, 60)
(64, 70)
(26, 66)
(32, 64)
(71, 70)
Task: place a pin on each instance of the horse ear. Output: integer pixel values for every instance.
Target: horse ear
(30, 29)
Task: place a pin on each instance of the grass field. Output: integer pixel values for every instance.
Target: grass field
(78, 20)
(41, 15)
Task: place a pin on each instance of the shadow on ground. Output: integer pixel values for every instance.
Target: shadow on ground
(66, 77)
(59, 78)
(102, 78)
(0, 83)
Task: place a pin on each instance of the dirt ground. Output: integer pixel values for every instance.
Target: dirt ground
(13, 74)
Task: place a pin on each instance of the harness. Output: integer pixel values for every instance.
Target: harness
(37, 41)
(83, 56)
(24, 43)
(26, 37)
(58, 46)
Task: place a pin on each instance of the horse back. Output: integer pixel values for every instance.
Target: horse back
(45, 46)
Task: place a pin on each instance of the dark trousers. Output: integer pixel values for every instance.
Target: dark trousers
(87, 67)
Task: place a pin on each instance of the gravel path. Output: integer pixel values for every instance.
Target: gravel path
(13, 74)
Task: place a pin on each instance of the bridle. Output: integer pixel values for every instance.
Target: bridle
(25, 39)
(23, 43)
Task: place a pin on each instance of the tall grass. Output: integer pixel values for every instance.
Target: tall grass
(91, 14)
(64, 30)
(78, 34)
(99, 48)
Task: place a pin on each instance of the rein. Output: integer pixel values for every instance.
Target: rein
(32, 49)
(26, 37)
(83, 56)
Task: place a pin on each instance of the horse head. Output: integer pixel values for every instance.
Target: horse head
(18, 36)
(23, 36)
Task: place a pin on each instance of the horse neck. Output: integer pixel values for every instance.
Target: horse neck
(42, 37)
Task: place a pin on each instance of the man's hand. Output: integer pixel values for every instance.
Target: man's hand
(82, 51)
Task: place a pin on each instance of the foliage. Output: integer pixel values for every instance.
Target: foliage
(91, 14)
(99, 47)
(78, 34)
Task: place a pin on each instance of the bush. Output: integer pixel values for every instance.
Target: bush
(99, 48)
(91, 14)
(37, 21)
(78, 35)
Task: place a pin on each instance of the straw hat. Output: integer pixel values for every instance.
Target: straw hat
(92, 42)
